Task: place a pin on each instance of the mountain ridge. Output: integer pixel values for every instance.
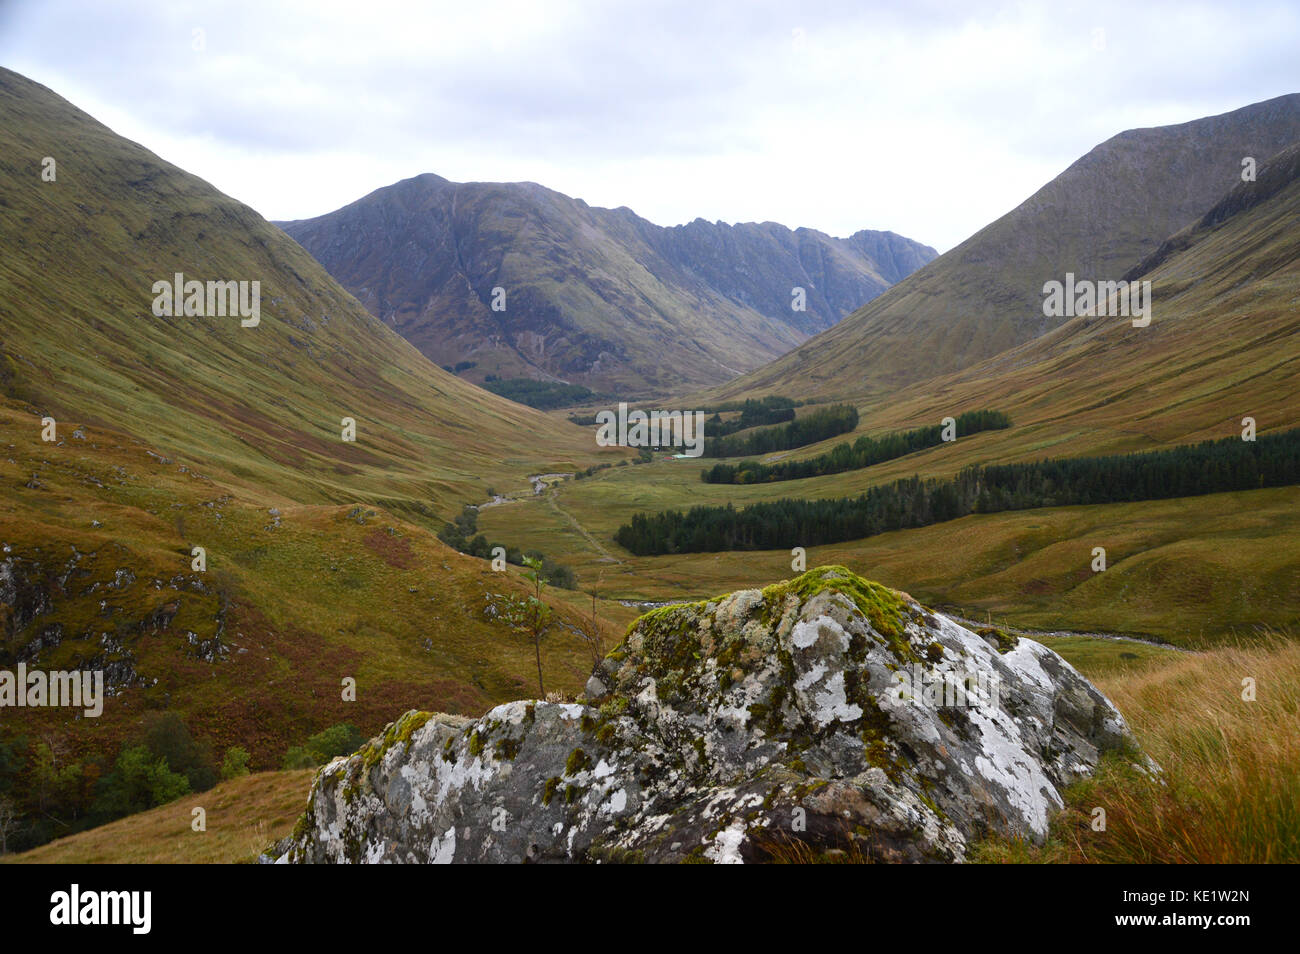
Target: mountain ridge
(590, 295)
(1102, 215)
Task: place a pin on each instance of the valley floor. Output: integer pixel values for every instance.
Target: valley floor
(1192, 571)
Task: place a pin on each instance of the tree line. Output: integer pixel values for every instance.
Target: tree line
(46, 793)
(1273, 460)
(771, 401)
(752, 414)
(815, 426)
(863, 452)
(543, 395)
(772, 404)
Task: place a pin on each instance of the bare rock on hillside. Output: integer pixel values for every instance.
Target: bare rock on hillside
(826, 709)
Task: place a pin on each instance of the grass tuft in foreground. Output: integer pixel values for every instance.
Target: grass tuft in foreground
(1230, 791)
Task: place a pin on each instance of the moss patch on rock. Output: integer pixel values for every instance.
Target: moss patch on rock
(395, 733)
(1001, 640)
(886, 610)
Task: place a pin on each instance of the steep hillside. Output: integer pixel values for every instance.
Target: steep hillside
(1097, 219)
(263, 404)
(1223, 343)
(243, 814)
(320, 563)
(593, 296)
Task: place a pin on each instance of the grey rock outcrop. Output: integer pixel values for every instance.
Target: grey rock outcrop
(826, 709)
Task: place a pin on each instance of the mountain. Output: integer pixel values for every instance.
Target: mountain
(263, 404)
(1097, 219)
(168, 434)
(1223, 342)
(593, 296)
(1223, 345)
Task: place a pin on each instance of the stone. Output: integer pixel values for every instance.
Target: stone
(822, 710)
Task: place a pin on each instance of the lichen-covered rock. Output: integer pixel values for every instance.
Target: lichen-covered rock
(826, 709)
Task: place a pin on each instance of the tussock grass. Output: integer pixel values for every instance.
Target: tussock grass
(784, 849)
(1230, 787)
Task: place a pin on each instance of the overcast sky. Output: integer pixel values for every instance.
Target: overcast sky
(838, 116)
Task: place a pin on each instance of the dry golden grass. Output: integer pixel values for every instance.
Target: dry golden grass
(244, 815)
(1230, 787)
(783, 849)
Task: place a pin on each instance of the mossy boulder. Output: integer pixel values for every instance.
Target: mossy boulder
(826, 709)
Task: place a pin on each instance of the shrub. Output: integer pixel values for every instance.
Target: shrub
(139, 781)
(235, 763)
(341, 739)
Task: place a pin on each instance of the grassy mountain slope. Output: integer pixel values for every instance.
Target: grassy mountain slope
(244, 815)
(1106, 212)
(594, 296)
(173, 433)
(264, 404)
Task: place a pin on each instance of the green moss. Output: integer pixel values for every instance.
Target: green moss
(873, 730)
(572, 793)
(613, 708)
(1005, 641)
(305, 823)
(673, 639)
(929, 802)
(882, 606)
(549, 789)
(578, 761)
(506, 749)
(395, 733)
(668, 687)
(616, 856)
(804, 789)
(877, 754)
(768, 715)
(475, 743)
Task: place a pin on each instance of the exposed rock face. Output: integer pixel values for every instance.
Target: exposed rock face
(802, 711)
